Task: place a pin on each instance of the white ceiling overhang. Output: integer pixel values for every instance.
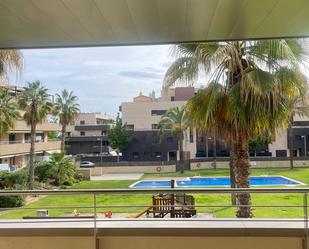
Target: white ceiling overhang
(68, 23)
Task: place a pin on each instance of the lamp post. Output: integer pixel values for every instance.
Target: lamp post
(305, 145)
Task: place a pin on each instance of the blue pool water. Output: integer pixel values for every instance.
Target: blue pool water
(217, 182)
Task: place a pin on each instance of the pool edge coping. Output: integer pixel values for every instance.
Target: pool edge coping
(188, 178)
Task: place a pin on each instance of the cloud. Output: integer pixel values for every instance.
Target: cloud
(140, 74)
(101, 77)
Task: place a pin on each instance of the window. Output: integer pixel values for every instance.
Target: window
(191, 135)
(135, 155)
(172, 155)
(158, 154)
(27, 137)
(103, 133)
(82, 133)
(169, 140)
(12, 138)
(172, 98)
(155, 126)
(281, 153)
(158, 112)
(130, 127)
(146, 153)
(82, 122)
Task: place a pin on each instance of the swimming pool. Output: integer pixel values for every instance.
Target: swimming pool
(217, 182)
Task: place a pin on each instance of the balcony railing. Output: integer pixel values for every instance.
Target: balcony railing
(95, 208)
(18, 147)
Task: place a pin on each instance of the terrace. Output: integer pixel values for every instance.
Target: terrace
(58, 23)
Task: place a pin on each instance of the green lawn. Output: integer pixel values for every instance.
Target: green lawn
(201, 199)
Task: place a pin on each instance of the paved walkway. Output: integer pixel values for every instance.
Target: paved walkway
(120, 176)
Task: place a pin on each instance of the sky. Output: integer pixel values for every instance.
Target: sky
(101, 77)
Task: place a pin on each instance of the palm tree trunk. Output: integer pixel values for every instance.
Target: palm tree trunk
(233, 161)
(215, 150)
(31, 156)
(63, 131)
(181, 162)
(291, 148)
(242, 173)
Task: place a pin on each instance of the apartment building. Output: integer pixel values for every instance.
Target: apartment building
(15, 144)
(88, 134)
(142, 117)
(294, 138)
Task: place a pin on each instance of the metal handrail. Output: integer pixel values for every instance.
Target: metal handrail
(95, 207)
(156, 190)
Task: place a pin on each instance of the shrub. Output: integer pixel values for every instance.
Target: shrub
(43, 171)
(11, 201)
(12, 179)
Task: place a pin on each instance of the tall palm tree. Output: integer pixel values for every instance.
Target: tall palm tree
(36, 104)
(175, 121)
(10, 60)
(252, 84)
(67, 109)
(8, 111)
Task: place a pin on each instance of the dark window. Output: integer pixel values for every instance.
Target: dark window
(82, 133)
(27, 137)
(172, 98)
(294, 153)
(281, 153)
(103, 133)
(158, 112)
(105, 143)
(155, 126)
(158, 154)
(172, 155)
(82, 122)
(135, 155)
(12, 138)
(191, 135)
(130, 127)
(169, 140)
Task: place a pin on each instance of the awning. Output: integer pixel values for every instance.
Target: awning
(61, 23)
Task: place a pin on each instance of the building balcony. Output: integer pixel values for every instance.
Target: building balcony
(94, 127)
(86, 138)
(24, 148)
(21, 126)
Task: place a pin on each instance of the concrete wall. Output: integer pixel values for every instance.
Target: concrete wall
(139, 113)
(280, 143)
(133, 169)
(254, 164)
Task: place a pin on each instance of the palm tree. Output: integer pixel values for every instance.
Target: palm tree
(252, 84)
(36, 104)
(10, 60)
(62, 167)
(67, 109)
(8, 111)
(175, 121)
